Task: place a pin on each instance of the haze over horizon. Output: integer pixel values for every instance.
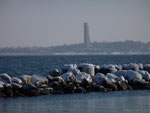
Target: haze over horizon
(58, 22)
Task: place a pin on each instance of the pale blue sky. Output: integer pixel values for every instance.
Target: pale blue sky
(57, 22)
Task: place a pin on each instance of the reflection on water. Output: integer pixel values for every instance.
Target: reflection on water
(112, 102)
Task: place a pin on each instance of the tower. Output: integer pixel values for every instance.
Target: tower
(87, 42)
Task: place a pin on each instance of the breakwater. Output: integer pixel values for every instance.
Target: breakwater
(80, 78)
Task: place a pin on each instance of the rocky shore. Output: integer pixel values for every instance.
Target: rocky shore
(80, 78)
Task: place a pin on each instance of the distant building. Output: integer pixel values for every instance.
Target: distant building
(87, 41)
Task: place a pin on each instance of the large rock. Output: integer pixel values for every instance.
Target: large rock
(5, 78)
(96, 88)
(8, 91)
(75, 71)
(1, 89)
(108, 69)
(38, 79)
(118, 67)
(120, 73)
(67, 67)
(55, 73)
(69, 77)
(87, 68)
(17, 80)
(122, 85)
(133, 75)
(70, 88)
(121, 78)
(84, 76)
(131, 66)
(147, 67)
(79, 89)
(16, 89)
(97, 69)
(145, 75)
(112, 77)
(99, 78)
(30, 90)
(26, 79)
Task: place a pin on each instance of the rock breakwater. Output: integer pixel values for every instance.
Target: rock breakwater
(80, 78)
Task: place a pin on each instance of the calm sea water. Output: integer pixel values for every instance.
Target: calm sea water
(137, 101)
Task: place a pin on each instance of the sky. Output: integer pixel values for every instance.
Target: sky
(29, 23)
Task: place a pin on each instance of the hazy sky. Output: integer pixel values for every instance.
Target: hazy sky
(57, 22)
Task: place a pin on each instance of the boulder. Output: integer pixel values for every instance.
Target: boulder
(26, 79)
(97, 69)
(145, 75)
(39, 80)
(108, 69)
(16, 80)
(79, 89)
(29, 90)
(131, 66)
(96, 88)
(141, 67)
(69, 77)
(111, 76)
(121, 73)
(122, 85)
(16, 86)
(8, 90)
(147, 67)
(70, 88)
(75, 71)
(1, 89)
(16, 89)
(5, 78)
(57, 86)
(133, 75)
(99, 78)
(84, 77)
(140, 84)
(67, 67)
(118, 67)
(55, 73)
(43, 91)
(87, 68)
(121, 78)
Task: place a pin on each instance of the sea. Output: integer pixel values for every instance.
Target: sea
(130, 101)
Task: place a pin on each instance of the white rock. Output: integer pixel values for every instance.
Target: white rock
(26, 79)
(110, 75)
(39, 78)
(83, 76)
(131, 66)
(16, 80)
(121, 78)
(1, 85)
(145, 75)
(67, 67)
(67, 77)
(132, 75)
(121, 73)
(87, 68)
(110, 67)
(99, 78)
(118, 67)
(75, 71)
(5, 78)
(147, 67)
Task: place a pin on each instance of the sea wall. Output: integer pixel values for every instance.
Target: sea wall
(80, 78)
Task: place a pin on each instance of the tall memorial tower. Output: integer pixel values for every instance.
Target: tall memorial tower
(87, 42)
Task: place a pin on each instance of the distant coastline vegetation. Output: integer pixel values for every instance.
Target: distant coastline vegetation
(120, 47)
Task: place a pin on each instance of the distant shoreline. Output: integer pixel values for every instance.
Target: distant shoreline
(69, 54)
